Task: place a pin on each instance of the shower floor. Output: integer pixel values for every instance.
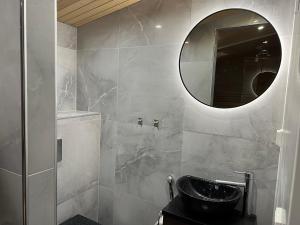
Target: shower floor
(79, 220)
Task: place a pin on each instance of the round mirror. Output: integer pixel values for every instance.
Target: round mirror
(230, 58)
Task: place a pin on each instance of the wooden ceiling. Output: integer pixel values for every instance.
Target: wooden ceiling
(80, 12)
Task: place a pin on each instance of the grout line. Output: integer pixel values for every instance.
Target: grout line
(8, 171)
(84, 114)
(44, 171)
(175, 44)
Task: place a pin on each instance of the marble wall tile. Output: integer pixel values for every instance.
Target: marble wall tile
(66, 79)
(106, 206)
(80, 146)
(150, 70)
(132, 210)
(10, 87)
(271, 9)
(168, 111)
(11, 144)
(102, 33)
(108, 153)
(97, 81)
(66, 36)
(85, 204)
(41, 103)
(259, 124)
(144, 160)
(217, 157)
(148, 86)
(76, 116)
(11, 198)
(228, 153)
(138, 23)
(41, 199)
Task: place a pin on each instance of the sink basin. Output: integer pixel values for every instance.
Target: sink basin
(201, 195)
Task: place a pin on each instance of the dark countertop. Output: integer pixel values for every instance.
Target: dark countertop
(176, 210)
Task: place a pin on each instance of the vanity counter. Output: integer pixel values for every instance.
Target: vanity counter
(174, 214)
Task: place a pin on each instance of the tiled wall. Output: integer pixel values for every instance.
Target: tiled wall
(10, 115)
(66, 67)
(78, 172)
(41, 116)
(127, 68)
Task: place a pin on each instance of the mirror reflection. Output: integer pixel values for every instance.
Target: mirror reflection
(230, 58)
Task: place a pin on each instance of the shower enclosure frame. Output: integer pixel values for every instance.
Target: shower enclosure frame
(25, 6)
(23, 111)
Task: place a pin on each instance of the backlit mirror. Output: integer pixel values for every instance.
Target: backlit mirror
(230, 58)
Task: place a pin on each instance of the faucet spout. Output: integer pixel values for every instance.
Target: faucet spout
(170, 181)
(248, 190)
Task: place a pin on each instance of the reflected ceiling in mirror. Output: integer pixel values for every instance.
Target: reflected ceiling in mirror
(230, 58)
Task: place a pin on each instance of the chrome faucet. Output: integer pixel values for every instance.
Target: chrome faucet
(248, 190)
(170, 181)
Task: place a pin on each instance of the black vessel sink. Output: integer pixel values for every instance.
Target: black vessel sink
(200, 195)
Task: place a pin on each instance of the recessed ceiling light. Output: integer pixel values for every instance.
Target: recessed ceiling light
(255, 21)
(261, 27)
(186, 42)
(158, 26)
(265, 42)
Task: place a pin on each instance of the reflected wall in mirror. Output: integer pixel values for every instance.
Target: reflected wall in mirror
(230, 58)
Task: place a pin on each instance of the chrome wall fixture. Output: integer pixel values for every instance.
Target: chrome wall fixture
(170, 181)
(140, 121)
(156, 123)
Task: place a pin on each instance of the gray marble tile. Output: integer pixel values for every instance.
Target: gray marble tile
(145, 158)
(102, 33)
(106, 206)
(270, 9)
(11, 198)
(216, 157)
(10, 87)
(80, 146)
(42, 198)
(131, 210)
(11, 144)
(205, 151)
(41, 103)
(108, 153)
(97, 81)
(150, 70)
(168, 110)
(149, 86)
(66, 36)
(85, 204)
(260, 125)
(66, 79)
(154, 22)
(132, 138)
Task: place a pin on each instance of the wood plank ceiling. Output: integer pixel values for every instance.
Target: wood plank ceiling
(79, 12)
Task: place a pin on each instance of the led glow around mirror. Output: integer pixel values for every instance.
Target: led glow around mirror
(230, 58)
